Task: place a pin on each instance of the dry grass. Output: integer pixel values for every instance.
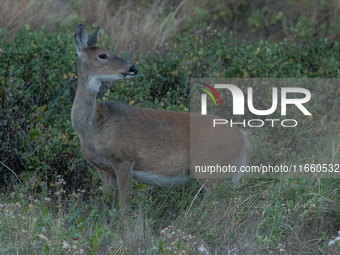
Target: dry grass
(147, 23)
(150, 23)
(222, 223)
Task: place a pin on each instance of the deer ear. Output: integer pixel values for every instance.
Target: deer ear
(81, 38)
(94, 38)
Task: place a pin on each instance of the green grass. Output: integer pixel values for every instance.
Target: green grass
(258, 217)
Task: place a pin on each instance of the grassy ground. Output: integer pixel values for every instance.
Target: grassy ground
(290, 216)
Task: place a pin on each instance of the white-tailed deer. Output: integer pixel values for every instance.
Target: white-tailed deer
(151, 146)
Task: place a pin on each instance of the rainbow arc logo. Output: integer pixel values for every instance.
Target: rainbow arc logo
(204, 97)
(208, 92)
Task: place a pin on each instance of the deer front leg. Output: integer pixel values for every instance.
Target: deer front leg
(124, 176)
(108, 179)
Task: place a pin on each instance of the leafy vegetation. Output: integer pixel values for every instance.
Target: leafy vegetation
(54, 204)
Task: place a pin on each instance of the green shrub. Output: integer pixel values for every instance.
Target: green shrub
(38, 81)
(37, 85)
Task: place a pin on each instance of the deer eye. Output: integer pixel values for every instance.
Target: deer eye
(103, 56)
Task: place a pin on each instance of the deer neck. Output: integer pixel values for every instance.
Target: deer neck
(85, 103)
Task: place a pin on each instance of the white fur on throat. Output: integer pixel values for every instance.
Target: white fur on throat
(94, 83)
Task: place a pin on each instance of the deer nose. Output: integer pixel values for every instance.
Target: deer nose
(133, 69)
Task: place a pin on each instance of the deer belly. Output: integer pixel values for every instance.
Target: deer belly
(160, 180)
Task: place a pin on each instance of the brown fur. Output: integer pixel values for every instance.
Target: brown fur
(116, 137)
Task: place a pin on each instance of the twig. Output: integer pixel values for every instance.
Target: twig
(135, 43)
(196, 196)
(24, 92)
(335, 151)
(173, 16)
(12, 172)
(16, 16)
(57, 98)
